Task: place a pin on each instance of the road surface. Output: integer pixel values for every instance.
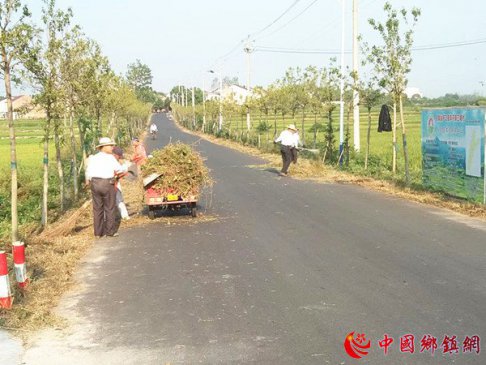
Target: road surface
(287, 270)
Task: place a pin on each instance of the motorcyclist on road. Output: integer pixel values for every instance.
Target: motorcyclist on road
(153, 130)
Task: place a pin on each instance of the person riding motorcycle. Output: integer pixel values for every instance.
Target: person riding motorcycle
(153, 130)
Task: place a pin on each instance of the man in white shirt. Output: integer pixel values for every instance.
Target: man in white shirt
(287, 142)
(153, 130)
(101, 171)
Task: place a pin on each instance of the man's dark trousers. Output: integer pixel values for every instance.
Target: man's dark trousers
(286, 158)
(104, 206)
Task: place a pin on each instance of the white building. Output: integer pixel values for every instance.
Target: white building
(23, 108)
(230, 92)
(413, 93)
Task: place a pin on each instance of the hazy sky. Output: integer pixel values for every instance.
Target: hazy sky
(181, 40)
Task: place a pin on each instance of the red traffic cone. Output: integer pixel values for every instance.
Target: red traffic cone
(6, 298)
(19, 264)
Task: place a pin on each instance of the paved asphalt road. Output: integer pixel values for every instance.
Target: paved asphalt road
(287, 270)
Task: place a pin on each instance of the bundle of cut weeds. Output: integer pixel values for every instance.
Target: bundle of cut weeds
(182, 170)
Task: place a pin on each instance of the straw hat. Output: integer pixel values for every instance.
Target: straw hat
(292, 127)
(105, 141)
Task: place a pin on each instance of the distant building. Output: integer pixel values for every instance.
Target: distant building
(23, 108)
(413, 93)
(234, 92)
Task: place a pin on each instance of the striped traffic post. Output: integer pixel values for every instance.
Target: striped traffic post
(6, 298)
(19, 264)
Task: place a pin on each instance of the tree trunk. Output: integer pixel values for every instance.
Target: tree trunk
(368, 136)
(242, 122)
(13, 150)
(275, 125)
(82, 143)
(73, 152)
(45, 164)
(315, 130)
(248, 119)
(99, 123)
(394, 136)
(60, 172)
(405, 147)
(111, 128)
(303, 127)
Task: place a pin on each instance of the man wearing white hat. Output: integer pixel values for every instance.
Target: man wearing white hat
(287, 142)
(101, 171)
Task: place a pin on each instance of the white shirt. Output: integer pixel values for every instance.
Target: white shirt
(153, 128)
(296, 139)
(287, 138)
(124, 168)
(102, 165)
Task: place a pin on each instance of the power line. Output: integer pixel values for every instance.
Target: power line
(449, 45)
(226, 55)
(329, 51)
(297, 50)
(291, 20)
(238, 45)
(277, 19)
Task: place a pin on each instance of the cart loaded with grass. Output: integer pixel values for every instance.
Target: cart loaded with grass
(173, 178)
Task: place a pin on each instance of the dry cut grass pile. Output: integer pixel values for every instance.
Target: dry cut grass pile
(182, 170)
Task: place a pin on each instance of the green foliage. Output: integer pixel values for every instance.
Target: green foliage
(139, 77)
(329, 141)
(263, 126)
(392, 59)
(179, 93)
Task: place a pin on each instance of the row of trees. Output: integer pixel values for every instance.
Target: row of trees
(82, 96)
(316, 91)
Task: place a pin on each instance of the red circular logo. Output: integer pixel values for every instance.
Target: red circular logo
(357, 347)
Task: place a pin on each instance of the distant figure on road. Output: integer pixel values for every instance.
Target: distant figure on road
(122, 208)
(139, 153)
(101, 171)
(287, 142)
(153, 130)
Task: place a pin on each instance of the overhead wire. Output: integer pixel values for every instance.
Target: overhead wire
(289, 21)
(328, 51)
(253, 35)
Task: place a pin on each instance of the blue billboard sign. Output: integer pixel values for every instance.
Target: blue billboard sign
(453, 151)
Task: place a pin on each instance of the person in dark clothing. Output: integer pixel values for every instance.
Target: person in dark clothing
(295, 148)
(287, 142)
(101, 171)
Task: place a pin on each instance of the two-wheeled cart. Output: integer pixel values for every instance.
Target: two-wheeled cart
(160, 201)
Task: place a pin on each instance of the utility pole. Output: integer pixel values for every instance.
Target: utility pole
(181, 90)
(248, 50)
(204, 102)
(341, 108)
(355, 69)
(220, 124)
(193, 108)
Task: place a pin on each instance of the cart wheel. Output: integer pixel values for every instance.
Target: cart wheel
(151, 214)
(194, 211)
